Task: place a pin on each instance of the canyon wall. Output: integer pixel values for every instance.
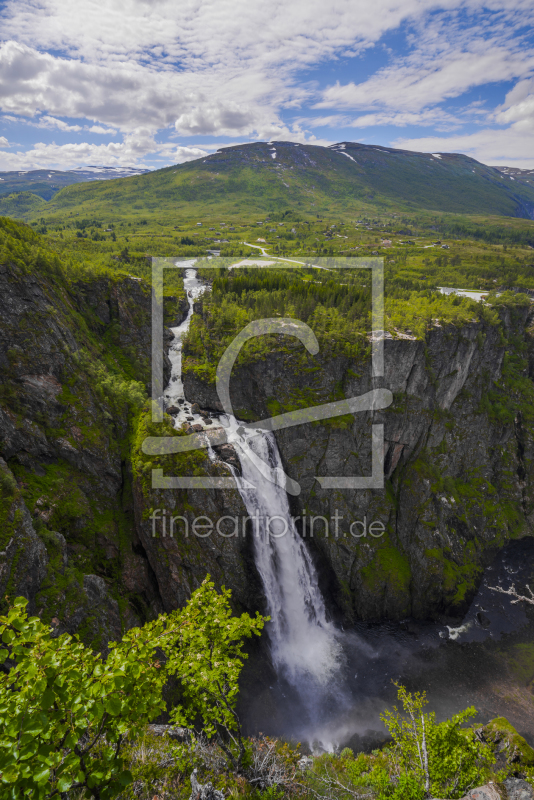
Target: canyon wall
(75, 537)
(458, 461)
(76, 497)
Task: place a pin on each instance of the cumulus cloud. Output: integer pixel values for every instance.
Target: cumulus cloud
(32, 83)
(518, 107)
(510, 147)
(234, 68)
(3, 142)
(132, 151)
(178, 154)
(100, 129)
(217, 118)
(56, 124)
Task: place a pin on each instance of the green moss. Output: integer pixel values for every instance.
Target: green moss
(10, 514)
(389, 567)
(458, 581)
(74, 504)
(194, 462)
(515, 744)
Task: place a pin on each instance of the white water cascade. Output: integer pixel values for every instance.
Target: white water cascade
(174, 393)
(305, 646)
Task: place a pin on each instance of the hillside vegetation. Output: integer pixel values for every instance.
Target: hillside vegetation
(260, 178)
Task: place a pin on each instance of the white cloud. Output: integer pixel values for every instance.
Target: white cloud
(130, 152)
(510, 147)
(32, 83)
(217, 118)
(518, 107)
(425, 80)
(434, 117)
(177, 154)
(231, 68)
(3, 142)
(100, 129)
(56, 124)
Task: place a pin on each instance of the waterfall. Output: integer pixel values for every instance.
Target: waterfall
(305, 646)
(174, 393)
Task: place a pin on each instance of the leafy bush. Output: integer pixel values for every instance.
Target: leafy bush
(8, 484)
(65, 712)
(208, 659)
(442, 758)
(111, 386)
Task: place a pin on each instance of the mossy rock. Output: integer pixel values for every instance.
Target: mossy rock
(500, 733)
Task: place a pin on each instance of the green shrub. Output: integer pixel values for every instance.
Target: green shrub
(65, 712)
(8, 484)
(442, 758)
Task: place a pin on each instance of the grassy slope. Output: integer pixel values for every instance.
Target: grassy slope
(22, 205)
(246, 179)
(452, 182)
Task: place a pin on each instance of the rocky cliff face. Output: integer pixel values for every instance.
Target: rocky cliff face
(68, 538)
(75, 537)
(458, 462)
(187, 533)
(75, 487)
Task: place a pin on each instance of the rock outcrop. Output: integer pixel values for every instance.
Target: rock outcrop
(76, 539)
(458, 456)
(68, 356)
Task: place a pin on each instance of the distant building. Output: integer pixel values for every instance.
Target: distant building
(261, 240)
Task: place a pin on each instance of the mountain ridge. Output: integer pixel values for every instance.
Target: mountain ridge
(264, 177)
(47, 182)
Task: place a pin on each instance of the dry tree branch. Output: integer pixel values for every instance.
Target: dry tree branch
(512, 593)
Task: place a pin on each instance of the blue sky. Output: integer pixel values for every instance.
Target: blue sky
(137, 83)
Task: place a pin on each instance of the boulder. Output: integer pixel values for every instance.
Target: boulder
(483, 620)
(203, 791)
(517, 789)
(487, 792)
(172, 731)
(514, 789)
(510, 748)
